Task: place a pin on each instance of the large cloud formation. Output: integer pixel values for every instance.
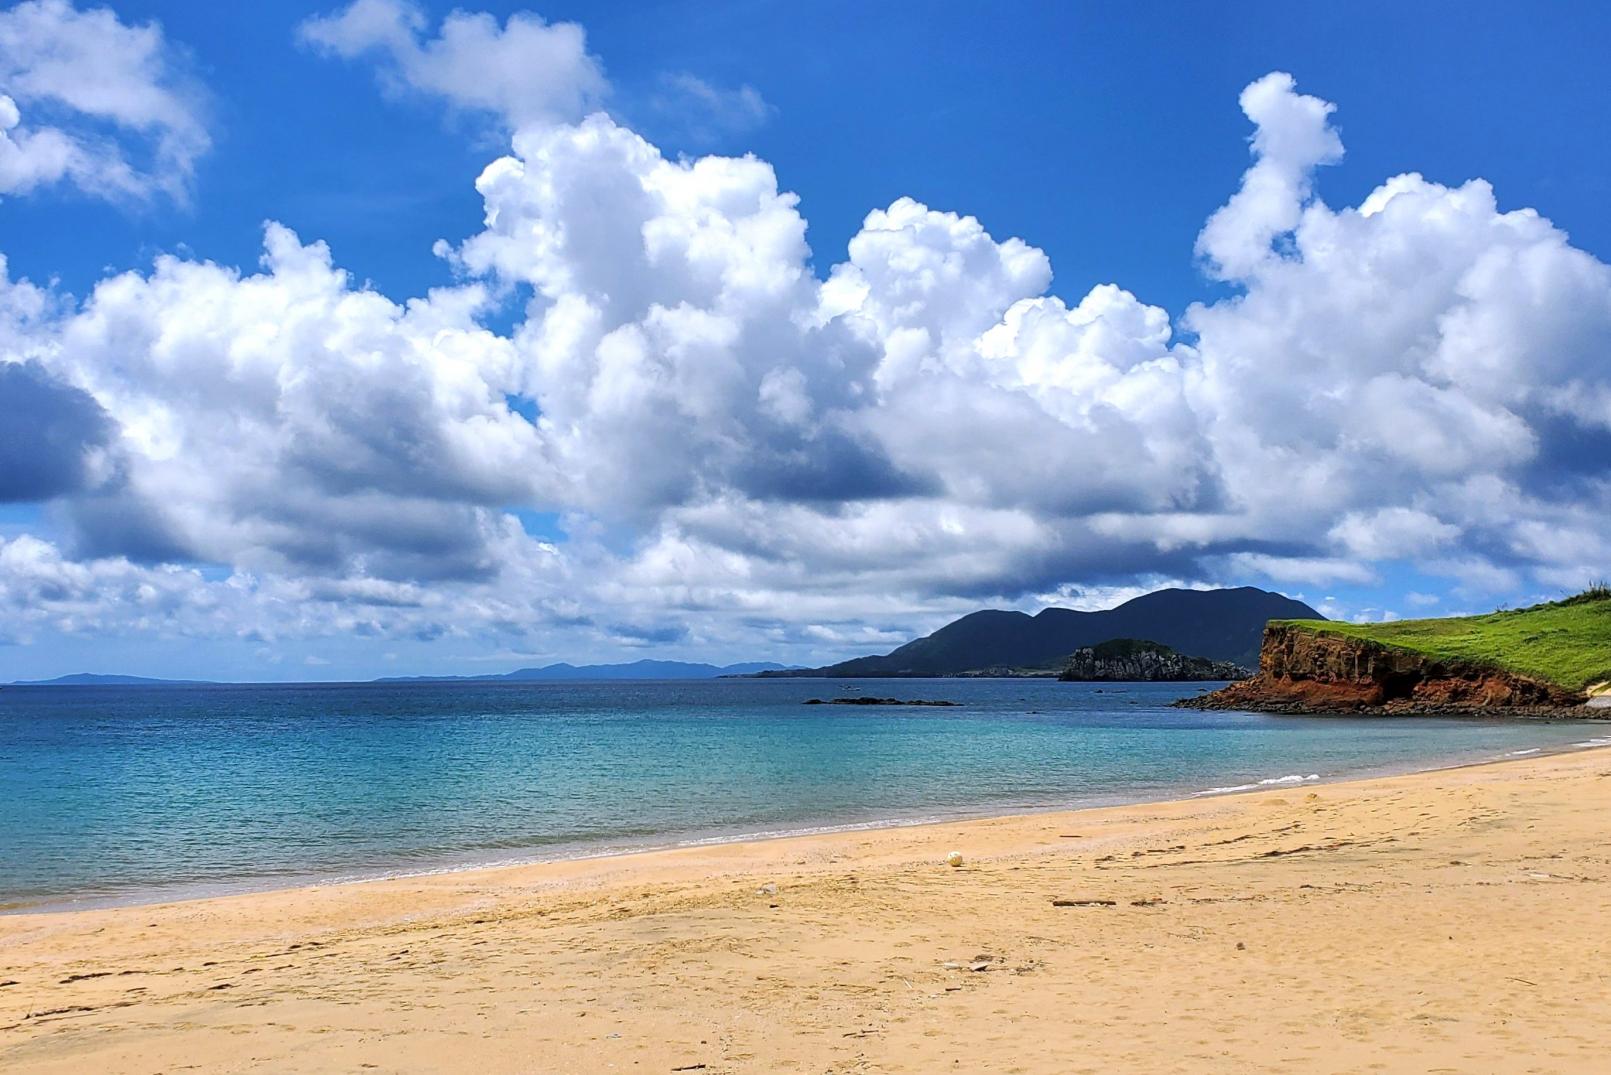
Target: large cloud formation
(740, 449)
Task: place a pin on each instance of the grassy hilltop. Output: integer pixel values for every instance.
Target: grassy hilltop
(1567, 643)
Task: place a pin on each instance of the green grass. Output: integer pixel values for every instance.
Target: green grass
(1564, 642)
(1126, 647)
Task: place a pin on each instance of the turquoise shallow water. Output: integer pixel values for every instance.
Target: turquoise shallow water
(138, 793)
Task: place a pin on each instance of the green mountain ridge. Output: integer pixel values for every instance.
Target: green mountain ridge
(1222, 625)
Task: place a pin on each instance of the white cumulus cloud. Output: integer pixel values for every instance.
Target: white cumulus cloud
(88, 99)
(526, 71)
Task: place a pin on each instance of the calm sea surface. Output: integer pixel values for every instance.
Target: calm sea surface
(123, 794)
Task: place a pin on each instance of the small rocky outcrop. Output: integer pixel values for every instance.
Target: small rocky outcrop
(1133, 659)
(1302, 670)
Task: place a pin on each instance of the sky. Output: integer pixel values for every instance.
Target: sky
(344, 340)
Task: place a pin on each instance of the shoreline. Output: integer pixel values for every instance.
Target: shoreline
(1588, 710)
(194, 892)
(1454, 918)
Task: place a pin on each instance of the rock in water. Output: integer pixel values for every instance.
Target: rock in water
(1136, 659)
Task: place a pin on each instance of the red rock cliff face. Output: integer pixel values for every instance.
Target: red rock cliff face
(1306, 671)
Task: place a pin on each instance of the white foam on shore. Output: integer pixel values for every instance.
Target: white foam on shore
(813, 830)
(1273, 781)
(1597, 741)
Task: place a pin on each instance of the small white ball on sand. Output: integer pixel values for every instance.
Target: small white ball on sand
(954, 859)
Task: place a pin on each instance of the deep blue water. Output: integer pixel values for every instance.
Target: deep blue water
(132, 793)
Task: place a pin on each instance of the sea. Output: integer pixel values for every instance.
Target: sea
(134, 794)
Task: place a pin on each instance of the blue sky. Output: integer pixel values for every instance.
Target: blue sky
(758, 489)
(1103, 135)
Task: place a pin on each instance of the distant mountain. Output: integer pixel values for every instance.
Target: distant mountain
(90, 679)
(1223, 625)
(644, 669)
(636, 670)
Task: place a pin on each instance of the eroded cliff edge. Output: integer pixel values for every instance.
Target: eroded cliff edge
(1304, 670)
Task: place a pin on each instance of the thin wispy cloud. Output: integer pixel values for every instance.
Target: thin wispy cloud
(702, 113)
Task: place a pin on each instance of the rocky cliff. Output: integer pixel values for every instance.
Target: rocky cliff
(1129, 659)
(1302, 670)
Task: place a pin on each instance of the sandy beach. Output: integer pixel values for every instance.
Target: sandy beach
(1447, 921)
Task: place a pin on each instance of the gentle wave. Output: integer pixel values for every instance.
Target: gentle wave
(1292, 778)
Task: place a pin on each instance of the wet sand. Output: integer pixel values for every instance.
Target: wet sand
(1449, 921)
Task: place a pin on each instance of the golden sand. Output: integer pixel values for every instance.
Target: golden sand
(1450, 921)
